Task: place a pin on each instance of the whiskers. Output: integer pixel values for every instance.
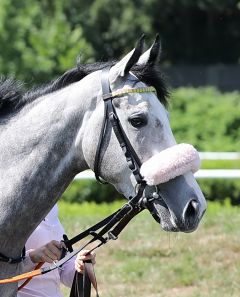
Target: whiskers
(170, 241)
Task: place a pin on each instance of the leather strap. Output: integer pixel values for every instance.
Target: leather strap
(97, 161)
(110, 115)
(82, 283)
(10, 260)
(77, 286)
(104, 222)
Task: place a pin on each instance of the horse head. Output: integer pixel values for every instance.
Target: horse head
(144, 119)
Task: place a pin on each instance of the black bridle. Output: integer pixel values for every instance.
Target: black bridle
(110, 116)
(133, 161)
(115, 223)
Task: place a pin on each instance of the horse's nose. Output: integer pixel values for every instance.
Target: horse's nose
(191, 212)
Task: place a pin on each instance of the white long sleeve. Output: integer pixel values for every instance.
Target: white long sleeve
(27, 265)
(47, 285)
(67, 274)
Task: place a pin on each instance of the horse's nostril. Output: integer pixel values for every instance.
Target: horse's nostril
(191, 210)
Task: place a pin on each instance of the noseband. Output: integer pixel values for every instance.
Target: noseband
(110, 116)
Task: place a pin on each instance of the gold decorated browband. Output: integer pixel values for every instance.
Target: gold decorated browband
(122, 92)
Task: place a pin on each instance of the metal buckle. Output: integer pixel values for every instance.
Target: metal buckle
(112, 236)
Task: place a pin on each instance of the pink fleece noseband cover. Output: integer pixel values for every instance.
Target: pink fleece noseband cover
(170, 163)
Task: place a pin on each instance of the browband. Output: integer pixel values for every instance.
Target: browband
(122, 92)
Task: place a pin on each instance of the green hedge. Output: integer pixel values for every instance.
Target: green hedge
(90, 190)
(204, 117)
(221, 189)
(208, 119)
(213, 189)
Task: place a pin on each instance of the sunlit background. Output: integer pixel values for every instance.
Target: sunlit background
(41, 39)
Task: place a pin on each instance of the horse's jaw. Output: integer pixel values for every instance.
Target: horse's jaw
(180, 206)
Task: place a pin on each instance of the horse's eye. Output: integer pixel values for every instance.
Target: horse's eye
(138, 121)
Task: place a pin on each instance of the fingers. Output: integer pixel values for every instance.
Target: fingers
(48, 253)
(86, 255)
(83, 256)
(79, 267)
(53, 250)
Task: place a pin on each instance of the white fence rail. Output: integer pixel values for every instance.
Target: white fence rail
(219, 155)
(202, 173)
(219, 173)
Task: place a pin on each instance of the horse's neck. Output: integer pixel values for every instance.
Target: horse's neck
(39, 159)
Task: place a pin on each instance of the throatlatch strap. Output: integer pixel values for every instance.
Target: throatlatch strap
(10, 260)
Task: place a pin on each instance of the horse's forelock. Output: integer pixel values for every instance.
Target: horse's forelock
(152, 75)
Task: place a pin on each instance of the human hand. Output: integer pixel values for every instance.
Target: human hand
(47, 253)
(83, 256)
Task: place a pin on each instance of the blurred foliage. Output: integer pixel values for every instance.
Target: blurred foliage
(37, 40)
(41, 39)
(221, 189)
(208, 119)
(90, 190)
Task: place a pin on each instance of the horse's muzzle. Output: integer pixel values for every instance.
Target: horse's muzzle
(180, 205)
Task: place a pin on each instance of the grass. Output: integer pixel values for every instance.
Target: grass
(145, 261)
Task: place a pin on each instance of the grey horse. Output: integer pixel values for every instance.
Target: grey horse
(50, 134)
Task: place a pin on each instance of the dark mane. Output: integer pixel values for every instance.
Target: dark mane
(11, 92)
(13, 96)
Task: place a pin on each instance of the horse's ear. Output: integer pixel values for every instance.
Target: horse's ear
(123, 67)
(151, 56)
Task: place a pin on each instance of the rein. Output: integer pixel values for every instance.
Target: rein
(110, 227)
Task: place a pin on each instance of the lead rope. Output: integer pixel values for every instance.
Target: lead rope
(39, 265)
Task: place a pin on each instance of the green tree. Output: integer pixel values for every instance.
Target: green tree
(41, 39)
(193, 32)
(37, 40)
